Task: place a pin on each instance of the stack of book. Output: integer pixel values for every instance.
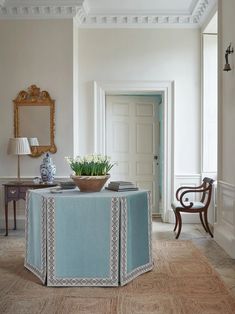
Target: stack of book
(67, 185)
(120, 186)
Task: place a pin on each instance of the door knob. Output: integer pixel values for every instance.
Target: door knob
(155, 157)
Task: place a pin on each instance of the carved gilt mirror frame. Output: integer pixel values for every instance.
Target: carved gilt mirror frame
(34, 117)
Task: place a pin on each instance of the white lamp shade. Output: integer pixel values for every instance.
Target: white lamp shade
(18, 146)
(33, 141)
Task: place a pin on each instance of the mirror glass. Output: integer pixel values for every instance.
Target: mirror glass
(34, 118)
(35, 122)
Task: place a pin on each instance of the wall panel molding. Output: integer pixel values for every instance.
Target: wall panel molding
(224, 229)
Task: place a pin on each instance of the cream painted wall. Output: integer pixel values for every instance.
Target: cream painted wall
(135, 54)
(36, 52)
(42, 52)
(227, 95)
(224, 230)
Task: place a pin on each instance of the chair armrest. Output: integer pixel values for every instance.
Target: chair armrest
(191, 191)
(188, 188)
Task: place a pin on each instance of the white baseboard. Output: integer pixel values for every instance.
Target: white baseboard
(156, 215)
(225, 240)
(20, 223)
(186, 217)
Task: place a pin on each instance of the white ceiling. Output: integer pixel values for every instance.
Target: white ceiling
(149, 6)
(114, 13)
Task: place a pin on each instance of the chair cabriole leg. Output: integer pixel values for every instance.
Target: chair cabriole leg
(176, 221)
(206, 223)
(14, 210)
(180, 224)
(201, 218)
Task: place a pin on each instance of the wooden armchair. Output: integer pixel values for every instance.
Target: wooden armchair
(183, 205)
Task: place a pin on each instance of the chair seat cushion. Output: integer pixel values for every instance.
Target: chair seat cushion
(196, 205)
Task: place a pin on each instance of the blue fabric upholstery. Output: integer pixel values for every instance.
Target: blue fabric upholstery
(88, 239)
(195, 204)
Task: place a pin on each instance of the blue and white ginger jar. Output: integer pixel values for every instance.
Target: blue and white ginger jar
(47, 169)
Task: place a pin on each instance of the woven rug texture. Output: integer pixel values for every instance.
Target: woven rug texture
(182, 282)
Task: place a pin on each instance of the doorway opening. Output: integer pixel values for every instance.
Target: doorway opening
(102, 89)
(134, 141)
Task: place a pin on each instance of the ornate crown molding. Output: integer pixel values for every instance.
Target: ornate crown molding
(193, 19)
(138, 21)
(39, 9)
(85, 18)
(203, 9)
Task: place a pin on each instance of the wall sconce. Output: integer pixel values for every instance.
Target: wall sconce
(228, 51)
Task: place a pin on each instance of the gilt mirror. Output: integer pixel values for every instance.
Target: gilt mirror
(34, 115)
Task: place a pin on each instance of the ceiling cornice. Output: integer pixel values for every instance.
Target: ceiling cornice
(80, 11)
(40, 9)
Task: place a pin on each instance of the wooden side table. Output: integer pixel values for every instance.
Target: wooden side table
(15, 191)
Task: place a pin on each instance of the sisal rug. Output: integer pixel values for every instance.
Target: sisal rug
(181, 282)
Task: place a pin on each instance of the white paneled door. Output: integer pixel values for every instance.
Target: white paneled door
(132, 140)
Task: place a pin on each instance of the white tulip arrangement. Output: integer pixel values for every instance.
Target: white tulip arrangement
(90, 165)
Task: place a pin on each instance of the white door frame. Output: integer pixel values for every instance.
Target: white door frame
(141, 88)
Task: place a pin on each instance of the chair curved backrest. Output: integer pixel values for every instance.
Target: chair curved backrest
(183, 205)
(207, 191)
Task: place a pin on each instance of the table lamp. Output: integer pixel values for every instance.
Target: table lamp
(18, 146)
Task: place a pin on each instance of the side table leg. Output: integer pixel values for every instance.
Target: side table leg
(14, 208)
(6, 218)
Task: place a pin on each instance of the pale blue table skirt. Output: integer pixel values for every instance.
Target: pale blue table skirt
(88, 239)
